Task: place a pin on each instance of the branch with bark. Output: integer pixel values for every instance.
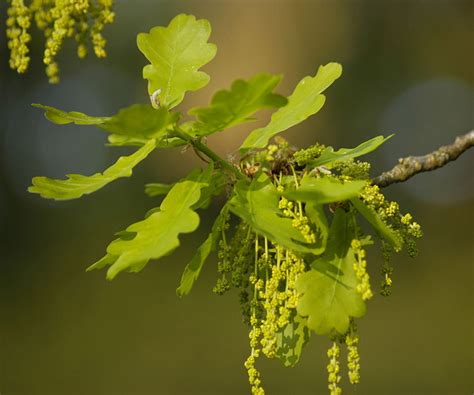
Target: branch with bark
(412, 165)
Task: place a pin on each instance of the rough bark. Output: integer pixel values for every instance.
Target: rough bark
(412, 165)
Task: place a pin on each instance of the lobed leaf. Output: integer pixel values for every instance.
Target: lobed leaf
(257, 204)
(141, 121)
(235, 106)
(291, 340)
(61, 117)
(380, 227)
(315, 213)
(329, 155)
(322, 190)
(176, 52)
(194, 267)
(215, 187)
(158, 234)
(77, 185)
(328, 295)
(306, 100)
(133, 125)
(157, 189)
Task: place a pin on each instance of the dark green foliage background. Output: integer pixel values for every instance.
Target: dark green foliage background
(63, 331)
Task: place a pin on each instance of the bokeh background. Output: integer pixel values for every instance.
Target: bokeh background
(408, 69)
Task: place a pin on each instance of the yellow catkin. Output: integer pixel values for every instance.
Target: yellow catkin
(353, 359)
(18, 23)
(333, 370)
(360, 268)
(83, 20)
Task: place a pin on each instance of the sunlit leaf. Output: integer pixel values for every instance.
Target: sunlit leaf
(157, 189)
(176, 52)
(215, 187)
(329, 155)
(235, 106)
(327, 292)
(194, 267)
(322, 190)
(141, 121)
(77, 185)
(306, 100)
(158, 234)
(257, 204)
(133, 125)
(380, 227)
(61, 117)
(291, 340)
(315, 213)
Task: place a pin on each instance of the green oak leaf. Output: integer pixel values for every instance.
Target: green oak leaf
(133, 125)
(329, 155)
(291, 340)
(380, 227)
(215, 186)
(61, 117)
(315, 213)
(117, 140)
(77, 185)
(322, 190)
(306, 100)
(194, 267)
(157, 189)
(327, 292)
(141, 121)
(176, 52)
(158, 234)
(235, 106)
(257, 204)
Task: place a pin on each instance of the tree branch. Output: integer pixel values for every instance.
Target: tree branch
(197, 145)
(411, 165)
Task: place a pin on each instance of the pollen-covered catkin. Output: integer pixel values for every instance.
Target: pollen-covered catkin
(18, 23)
(353, 359)
(360, 268)
(333, 370)
(83, 20)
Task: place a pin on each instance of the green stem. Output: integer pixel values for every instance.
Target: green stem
(208, 152)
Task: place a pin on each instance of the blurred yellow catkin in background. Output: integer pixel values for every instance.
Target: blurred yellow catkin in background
(83, 20)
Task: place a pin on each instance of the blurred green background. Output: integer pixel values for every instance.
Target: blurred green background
(408, 69)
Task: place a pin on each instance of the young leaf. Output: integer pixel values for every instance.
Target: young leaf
(329, 155)
(133, 125)
(61, 117)
(315, 213)
(118, 140)
(77, 185)
(176, 52)
(327, 292)
(216, 183)
(291, 340)
(380, 227)
(157, 189)
(235, 106)
(157, 235)
(322, 190)
(306, 100)
(257, 204)
(141, 121)
(193, 268)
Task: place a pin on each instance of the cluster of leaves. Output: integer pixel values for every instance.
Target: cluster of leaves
(297, 252)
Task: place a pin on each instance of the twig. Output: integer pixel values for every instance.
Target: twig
(411, 165)
(198, 145)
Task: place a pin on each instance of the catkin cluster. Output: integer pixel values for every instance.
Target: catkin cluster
(266, 273)
(82, 20)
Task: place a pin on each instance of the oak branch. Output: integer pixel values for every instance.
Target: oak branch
(411, 165)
